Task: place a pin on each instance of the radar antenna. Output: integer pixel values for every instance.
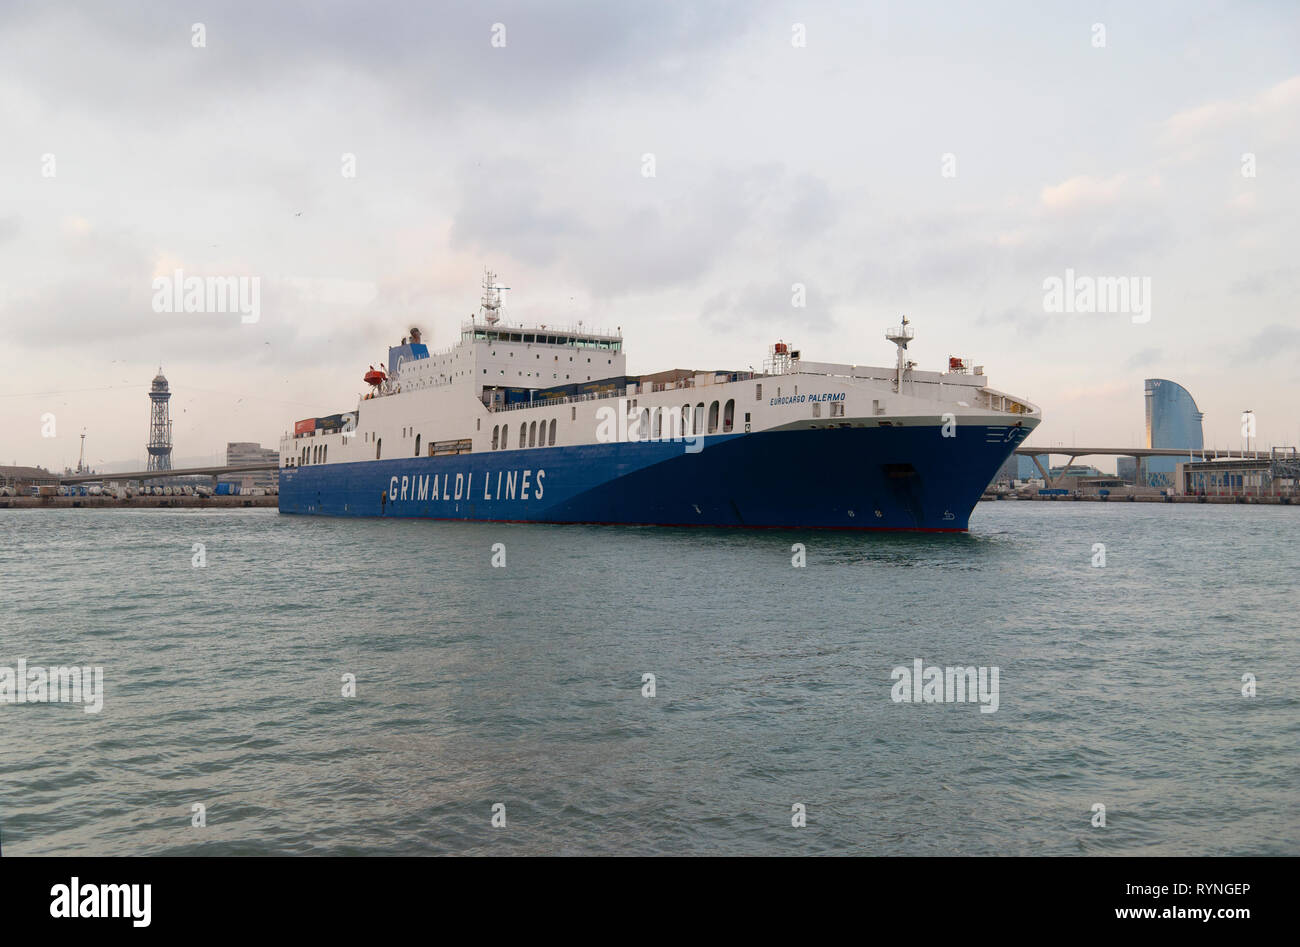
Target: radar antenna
(491, 306)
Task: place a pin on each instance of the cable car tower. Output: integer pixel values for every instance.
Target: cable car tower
(160, 425)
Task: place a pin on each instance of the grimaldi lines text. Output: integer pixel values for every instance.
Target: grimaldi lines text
(535, 423)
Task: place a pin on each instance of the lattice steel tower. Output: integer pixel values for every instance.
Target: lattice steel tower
(160, 425)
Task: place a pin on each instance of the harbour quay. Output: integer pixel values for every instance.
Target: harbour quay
(139, 502)
(1067, 496)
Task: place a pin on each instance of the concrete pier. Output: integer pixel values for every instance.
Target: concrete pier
(136, 502)
(1150, 498)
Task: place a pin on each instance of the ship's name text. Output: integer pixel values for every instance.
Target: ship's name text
(506, 485)
(800, 399)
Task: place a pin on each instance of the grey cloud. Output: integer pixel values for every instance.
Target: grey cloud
(429, 57)
(1272, 341)
(1142, 358)
(502, 211)
(770, 304)
(1026, 322)
(1283, 280)
(661, 236)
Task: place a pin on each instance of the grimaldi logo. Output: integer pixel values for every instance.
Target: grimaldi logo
(624, 423)
(507, 485)
(55, 685)
(945, 685)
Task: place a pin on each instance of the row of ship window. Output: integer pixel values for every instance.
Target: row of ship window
(313, 455)
(531, 435)
(543, 437)
(693, 421)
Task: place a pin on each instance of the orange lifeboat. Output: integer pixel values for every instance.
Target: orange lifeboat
(373, 377)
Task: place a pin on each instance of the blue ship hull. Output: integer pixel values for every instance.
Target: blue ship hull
(892, 478)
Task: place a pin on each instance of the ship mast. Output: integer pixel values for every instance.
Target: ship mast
(900, 336)
(490, 306)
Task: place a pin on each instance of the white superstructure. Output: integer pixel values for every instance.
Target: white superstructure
(506, 387)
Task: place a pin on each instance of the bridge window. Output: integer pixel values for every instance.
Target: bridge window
(713, 418)
(729, 416)
(379, 446)
(532, 434)
(417, 445)
(686, 419)
(552, 432)
(496, 435)
(505, 436)
(698, 425)
(523, 434)
(758, 392)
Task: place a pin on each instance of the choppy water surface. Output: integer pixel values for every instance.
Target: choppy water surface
(522, 685)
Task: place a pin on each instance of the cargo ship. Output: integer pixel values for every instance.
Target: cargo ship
(542, 424)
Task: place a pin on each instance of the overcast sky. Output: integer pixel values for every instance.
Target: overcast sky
(126, 152)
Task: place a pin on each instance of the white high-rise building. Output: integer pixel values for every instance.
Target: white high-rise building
(248, 452)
